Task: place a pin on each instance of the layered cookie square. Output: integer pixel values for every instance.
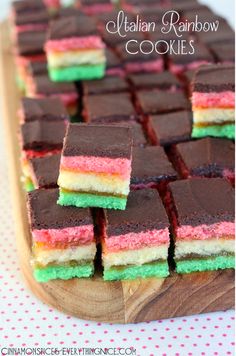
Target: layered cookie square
(208, 157)
(151, 168)
(170, 128)
(163, 81)
(108, 108)
(213, 101)
(48, 109)
(107, 85)
(203, 223)
(95, 166)
(63, 242)
(41, 86)
(39, 139)
(135, 241)
(75, 50)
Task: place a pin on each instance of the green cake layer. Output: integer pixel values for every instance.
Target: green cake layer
(205, 264)
(85, 72)
(63, 272)
(158, 269)
(29, 186)
(214, 131)
(85, 200)
(20, 84)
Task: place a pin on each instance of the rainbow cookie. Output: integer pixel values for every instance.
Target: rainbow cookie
(63, 243)
(203, 223)
(95, 166)
(75, 50)
(213, 101)
(39, 139)
(135, 242)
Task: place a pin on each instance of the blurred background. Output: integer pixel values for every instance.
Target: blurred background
(222, 7)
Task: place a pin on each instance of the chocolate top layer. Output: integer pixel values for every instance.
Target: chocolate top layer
(29, 43)
(172, 128)
(223, 52)
(164, 80)
(207, 152)
(113, 60)
(46, 170)
(102, 106)
(37, 68)
(201, 53)
(105, 85)
(150, 164)
(38, 16)
(45, 86)
(98, 141)
(133, 52)
(138, 136)
(223, 34)
(214, 78)
(154, 101)
(45, 213)
(203, 201)
(94, 2)
(43, 109)
(27, 5)
(144, 212)
(43, 135)
(114, 39)
(72, 26)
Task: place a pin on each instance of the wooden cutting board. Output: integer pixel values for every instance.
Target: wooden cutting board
(94, 299)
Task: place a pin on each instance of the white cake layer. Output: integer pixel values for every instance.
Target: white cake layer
(213, 116)
(73, 58)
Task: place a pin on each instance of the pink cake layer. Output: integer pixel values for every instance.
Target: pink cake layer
(224, 99)
(31, 27)
(82, 234)
(119, 166)
(180, 68)
(150, 66)
(97, 9)
(134, 241)
(22, 60)
(204, 232)
(230, 175)
(52, 3)
(74, 43)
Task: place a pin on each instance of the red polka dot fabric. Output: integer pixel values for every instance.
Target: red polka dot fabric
(27, 322)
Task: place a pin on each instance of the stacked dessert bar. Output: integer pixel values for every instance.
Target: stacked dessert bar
(124, 136)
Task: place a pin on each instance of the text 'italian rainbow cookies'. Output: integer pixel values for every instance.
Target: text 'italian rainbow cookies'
(95, 166)
(75, 50)
(135, 241)
(203, 219)
(213, 101)
(63, 242)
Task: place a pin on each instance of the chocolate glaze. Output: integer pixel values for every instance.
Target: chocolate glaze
(43, 135)
(164, 80)
(203, 201)
(171, 128)
(105, 85)
(72, 26)
(214, 78)
(45, 86)
(98, 141)
(27, 5)
(114, 39)
(45, 213)
(37, 68)
(39, 16)
(43, 109)
(209, 155)
(144, 212)
(154, 101)
(150, 164)
(29, 43)
(134, 47)
(113, 60)
(98, 107)
(223, 52)
(46, 170)
(222, 35)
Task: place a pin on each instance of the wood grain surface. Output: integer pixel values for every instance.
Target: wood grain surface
(94, 299)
